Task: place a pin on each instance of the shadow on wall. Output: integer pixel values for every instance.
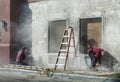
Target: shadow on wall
(83, 48)
(108, 60)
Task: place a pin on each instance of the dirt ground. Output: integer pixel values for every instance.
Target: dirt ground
(15, 77)
(31, 76)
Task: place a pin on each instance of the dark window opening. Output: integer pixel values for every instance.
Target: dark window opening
(90, 28)
(55, 33)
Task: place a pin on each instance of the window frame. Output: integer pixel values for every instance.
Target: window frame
(102, 31)
(49, 30)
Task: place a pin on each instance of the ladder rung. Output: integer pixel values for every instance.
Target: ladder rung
(66, 28)
(63, 50)
(65, 43)
(66, 36)
(62, 57)
(63, 54)
(60, 64)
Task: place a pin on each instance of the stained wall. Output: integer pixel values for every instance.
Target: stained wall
(45, 11)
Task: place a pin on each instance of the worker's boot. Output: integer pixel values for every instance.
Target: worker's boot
(93, 69)
(98, 64)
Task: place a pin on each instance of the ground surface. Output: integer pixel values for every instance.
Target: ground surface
(10, 76)
(18, 75)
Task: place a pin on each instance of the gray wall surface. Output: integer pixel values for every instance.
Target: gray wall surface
(49, 10)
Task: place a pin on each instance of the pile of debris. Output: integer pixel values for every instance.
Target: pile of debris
(116, 67)
(40, 70)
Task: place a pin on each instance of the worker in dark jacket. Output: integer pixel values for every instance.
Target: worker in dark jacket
(94, 53)
(21, 56)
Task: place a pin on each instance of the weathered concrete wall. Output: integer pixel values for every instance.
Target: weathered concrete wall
(44, 11)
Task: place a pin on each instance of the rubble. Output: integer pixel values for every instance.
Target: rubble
(40, 70)
(116, 67)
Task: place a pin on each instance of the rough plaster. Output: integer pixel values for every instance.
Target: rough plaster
(44, 11)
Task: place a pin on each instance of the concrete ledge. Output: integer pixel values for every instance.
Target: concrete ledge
(90, 78)
(97, 73)
(18, 71)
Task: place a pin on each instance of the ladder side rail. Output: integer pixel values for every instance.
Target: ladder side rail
(57, 59)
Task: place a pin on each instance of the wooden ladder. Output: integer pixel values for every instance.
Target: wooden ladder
(64, 47)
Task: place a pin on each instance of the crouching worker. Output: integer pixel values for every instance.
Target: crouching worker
(21, 56)
(95, 55)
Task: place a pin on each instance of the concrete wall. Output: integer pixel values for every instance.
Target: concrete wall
(44, 11)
